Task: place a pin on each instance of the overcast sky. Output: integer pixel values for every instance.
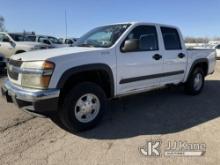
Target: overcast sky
(195, 18)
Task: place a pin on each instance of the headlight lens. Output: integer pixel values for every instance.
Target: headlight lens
(37, 74)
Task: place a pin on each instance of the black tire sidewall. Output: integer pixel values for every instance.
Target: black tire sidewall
(67, 113)
(190, 83)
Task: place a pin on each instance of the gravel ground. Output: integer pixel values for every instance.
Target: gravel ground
(167, 115)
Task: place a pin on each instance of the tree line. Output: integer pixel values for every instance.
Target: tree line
(200, 39)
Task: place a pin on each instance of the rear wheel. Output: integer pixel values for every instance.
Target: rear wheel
(83, 107)
(195, 83)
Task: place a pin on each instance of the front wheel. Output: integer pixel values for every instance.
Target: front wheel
(195, 83)
(83, 107)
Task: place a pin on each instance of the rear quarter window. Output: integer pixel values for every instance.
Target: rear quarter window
(171, 38)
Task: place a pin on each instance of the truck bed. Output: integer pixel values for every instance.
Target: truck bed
(201, 52)
(210, 54)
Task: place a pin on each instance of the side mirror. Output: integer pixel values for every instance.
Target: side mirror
(12, 43)
(130, 45)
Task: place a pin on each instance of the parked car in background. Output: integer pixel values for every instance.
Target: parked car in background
(198, 46)
(14, 43)
(68, 41)
(108, 62)
(217, 48)
(52, 42)
(74, 39)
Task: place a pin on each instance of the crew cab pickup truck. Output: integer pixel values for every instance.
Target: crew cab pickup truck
(13, 43)
(108, 62)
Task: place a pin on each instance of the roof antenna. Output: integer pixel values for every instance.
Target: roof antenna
(66, 22)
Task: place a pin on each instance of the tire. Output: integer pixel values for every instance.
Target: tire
(83, 107)
(195, 82)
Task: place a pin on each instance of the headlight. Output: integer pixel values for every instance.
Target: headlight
(37, 74)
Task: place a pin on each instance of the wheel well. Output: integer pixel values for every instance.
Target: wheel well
(19, 51)
(203, 66)
(99, 77)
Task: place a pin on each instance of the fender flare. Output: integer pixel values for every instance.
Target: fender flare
(83, 68)
(202, 60)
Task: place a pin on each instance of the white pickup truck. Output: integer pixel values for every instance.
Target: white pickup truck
(108, 62)
(14, 43)
(217, 47)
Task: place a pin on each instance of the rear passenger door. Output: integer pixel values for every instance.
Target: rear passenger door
(174, 55)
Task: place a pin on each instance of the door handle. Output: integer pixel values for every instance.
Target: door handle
(181, 55)
(157, 57)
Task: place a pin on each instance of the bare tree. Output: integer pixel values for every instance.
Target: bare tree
(2, 23)
(216, 38)
(197, 40)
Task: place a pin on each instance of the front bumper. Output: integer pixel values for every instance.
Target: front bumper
(38, 101)
(2, 63)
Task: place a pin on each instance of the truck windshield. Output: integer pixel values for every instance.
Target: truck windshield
(103, 37)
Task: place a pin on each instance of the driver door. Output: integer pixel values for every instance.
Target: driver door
(6, 48)
(139, 69)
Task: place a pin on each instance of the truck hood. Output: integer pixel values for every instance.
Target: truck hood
(41, 55)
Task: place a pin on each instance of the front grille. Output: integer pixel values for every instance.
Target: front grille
(13, 75)
(12, 72)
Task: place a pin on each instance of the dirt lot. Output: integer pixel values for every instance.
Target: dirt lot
(167, 115)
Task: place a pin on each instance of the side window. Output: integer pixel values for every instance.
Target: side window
(146, 36)
(44, 40)
(3, 38)
(171, 38)
(68, 41)
(41, 39)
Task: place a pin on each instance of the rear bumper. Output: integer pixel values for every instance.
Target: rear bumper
(38, 101)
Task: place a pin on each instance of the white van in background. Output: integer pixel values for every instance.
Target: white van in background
(217, 48)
